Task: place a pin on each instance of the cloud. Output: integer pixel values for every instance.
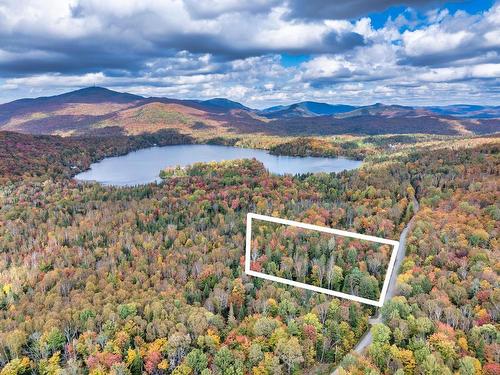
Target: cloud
(347, 9)
(215, 8)
(432, 41)
(89, 35)
(453, 37)
(372, 63)
(480, 71)
(191, 49)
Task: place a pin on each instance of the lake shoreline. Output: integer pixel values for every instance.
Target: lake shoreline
(147, 163)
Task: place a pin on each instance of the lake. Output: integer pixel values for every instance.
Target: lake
(143, 166)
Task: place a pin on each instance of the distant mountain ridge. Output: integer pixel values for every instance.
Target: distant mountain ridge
(225, 103)
(98, 111)
(466, 110)
(306, 109)
(310, 109)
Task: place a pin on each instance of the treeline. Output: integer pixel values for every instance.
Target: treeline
(23, 155)
(304, 146)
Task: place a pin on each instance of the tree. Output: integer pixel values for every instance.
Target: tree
(265, 326)
(469, 366)
(396, 307)
(406, 358)
(444, 346)
(379, 354)
(255, 354)
(197, 360)
(226, 363)
(431, 366)
(290, 352)
(177, 346)
(18, 366)
(379, 349)
(368, 287)
(381, 333)
(182, 369)
(53, 340)
(14, 341)
(334, 275)
(50, 366)
(351, 282)
(237, 296)
(134, 362)
(268, 366)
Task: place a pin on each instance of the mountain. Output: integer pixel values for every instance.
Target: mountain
(306, 109)
(387, 111)
(312, 109)
(224, 103)
(85, 95)
(96, 94)
(100, 111)
(466, 110)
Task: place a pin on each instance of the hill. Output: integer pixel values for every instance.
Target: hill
(100, 111)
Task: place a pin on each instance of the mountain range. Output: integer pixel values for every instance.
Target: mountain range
(100, 111)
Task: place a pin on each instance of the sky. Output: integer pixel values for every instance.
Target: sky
(260, 53)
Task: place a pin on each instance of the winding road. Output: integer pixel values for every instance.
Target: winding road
(366, 339)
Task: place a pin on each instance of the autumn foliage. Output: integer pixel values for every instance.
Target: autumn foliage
(149, 279)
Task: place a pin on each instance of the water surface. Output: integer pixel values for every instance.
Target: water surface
(143, 166)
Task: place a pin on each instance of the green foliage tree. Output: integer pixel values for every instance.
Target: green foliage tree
(226, 363)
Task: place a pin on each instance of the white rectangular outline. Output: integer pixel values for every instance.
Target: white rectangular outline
(313, 288)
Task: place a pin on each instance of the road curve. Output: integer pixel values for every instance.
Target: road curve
(366, 339)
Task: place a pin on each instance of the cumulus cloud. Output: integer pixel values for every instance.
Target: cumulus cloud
(78, 36)
(191, 49)
(453, 37)
(480, 71)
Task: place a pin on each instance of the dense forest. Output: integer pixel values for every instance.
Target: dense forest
(339, 263)
(446, 317)
(302, 146)
(23, 155)
(149, 279)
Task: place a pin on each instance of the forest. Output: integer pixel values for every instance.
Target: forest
(352, 266)
(149, 279)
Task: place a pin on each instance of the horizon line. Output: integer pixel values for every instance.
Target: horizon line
(278, 104)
